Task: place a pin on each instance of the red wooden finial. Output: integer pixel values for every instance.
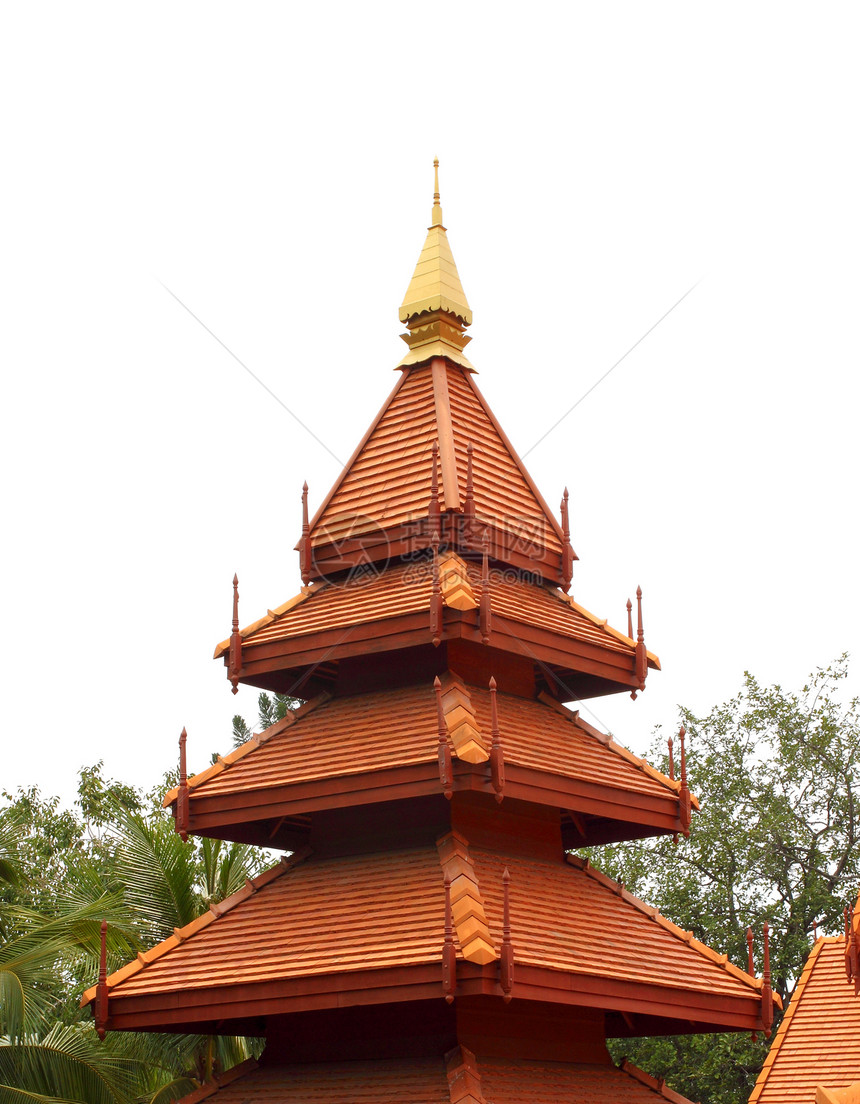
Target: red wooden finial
(629, 618)
(433, 506)
(497, 758)
(814, 931)
(766, 993)
(855, 954)
(685, 804)
(486, 604)
(234, 666)
(101, 1015)
(445, 768)
(848, 967)
(670, 742)
(506, 958)
(436, 597)
(305, 543)
(567, 553)
(641, 653)
(182, 799)
(449, 951)
(469, 500)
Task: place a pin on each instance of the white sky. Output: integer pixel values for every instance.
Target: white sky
(272, 165)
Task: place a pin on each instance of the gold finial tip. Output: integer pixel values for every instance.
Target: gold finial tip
(437, 207)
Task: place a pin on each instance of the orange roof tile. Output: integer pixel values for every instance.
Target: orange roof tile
(332, 737)
(424, 1081)
(818, 1041)
(387, 480)
(354, 913)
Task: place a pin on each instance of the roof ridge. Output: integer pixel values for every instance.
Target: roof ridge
(220, 1081)
(721, 960)
(467, 902)
(273, 615)
(658, 1084)
(213, 913)
(251, 744)
(609, 742)
(774, 1048)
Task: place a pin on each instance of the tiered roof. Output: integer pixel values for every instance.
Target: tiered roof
(380, 746)
(429, 789)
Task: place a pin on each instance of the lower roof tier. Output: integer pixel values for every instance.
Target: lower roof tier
(384, 746)
(369, 929)
(458, 1076)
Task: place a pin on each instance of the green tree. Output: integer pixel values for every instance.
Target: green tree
(777, 839)
(117, 858)
(270, 710)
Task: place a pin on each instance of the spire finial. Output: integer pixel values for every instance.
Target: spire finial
(436, 218)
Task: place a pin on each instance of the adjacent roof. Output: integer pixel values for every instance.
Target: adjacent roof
(433, 1081)
(817, 1045)
(329, 926)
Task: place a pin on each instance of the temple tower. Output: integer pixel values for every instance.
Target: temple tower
(430, 934)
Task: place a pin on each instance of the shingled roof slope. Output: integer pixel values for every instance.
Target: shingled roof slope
(392, 728)
(406, 588)
(818, 1041)
(387, 480)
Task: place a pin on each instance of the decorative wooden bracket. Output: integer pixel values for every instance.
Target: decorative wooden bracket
(852, 952)
(449, 951)
(684, 802)
(445, 768)
(497, 758)
(750, 967)
(182, 798)
(567, 552)
(469, 500)
(433, 510)
(766, 993)
(101, 1011)
(506, 958)
(436, 614)
(641, 653)
(305, 542)
(486, 603)
(235, 663)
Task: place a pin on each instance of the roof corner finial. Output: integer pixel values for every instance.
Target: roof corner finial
(436, 218)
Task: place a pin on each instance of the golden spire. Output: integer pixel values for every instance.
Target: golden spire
(435, 308)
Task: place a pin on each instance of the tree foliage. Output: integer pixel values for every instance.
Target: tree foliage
(777, 839)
